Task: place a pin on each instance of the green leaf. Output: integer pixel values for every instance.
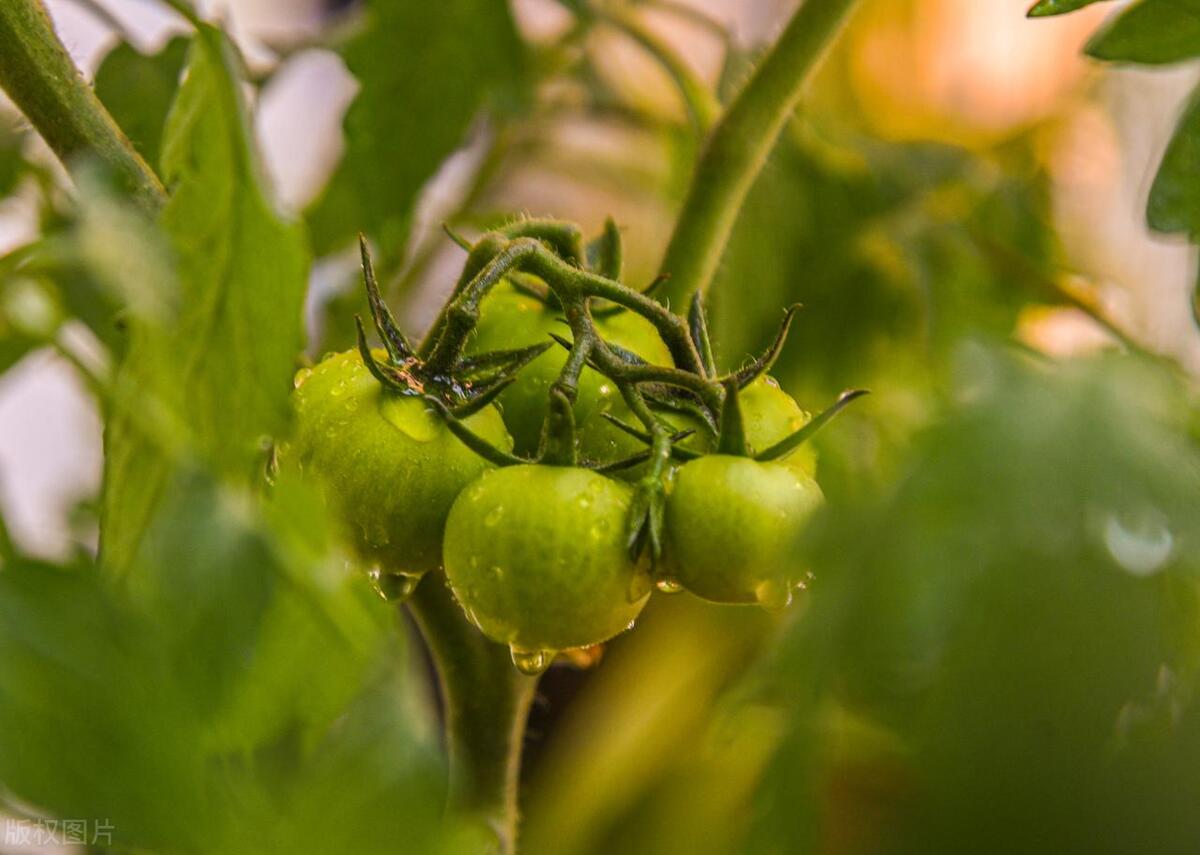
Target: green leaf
(214, 372)
(1174, 204)
(12, 160)
(1151, 32)
(1045, 8)
(138, 89)
(246, 693)
(425, 70)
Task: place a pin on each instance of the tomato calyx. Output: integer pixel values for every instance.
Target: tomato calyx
(464, 387)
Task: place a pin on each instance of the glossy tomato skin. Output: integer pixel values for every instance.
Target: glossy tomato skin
(510, 319)
(732, 525)
(769, 415)
(385, 460)
(536, 556)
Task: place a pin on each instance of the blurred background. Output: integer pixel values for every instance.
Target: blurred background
(997, 605)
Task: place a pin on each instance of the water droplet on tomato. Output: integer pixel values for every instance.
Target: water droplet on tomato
(395, 587)
(301, 375)
(668, 585)
(497, 571)
(773, 594)
(339, 389)
(531, 662)
(493, 517)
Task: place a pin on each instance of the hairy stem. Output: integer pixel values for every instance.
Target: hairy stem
(39, 76)
(739, 146)
(486, 702)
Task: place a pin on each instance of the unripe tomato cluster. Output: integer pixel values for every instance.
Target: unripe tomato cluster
(551, 513)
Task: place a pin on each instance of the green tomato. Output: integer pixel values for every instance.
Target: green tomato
(769, 415)
(510, 319)
(386, 461)
(732, 525)
(536, 556)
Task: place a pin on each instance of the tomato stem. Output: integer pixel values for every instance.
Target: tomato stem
(486, 704)
(38, 74)
(738, 147)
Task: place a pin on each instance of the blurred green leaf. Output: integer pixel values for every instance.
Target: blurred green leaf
(246, 694)
(138, 90)
(425, 70)
(220, 359)
(1020, 616)
(1152, 32)
(1175, 197)
(1044, 8)
(29, 317)
(12, 159)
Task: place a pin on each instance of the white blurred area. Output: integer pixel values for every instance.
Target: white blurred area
(965, 71)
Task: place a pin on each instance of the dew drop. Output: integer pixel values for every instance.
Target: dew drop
(493, 517)
(497, 571)
(301, 375)
(773, 594)
(1140, 546)
(339, 389)
(531, 662)
(395, 587)
(668, 585)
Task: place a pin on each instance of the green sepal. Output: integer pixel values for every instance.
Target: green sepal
(795, 440)
(678, 453)
(760, 366)
(605, 255)
(472, 440)
(698, 327)
(458, 239)
(483, 396)
(500, 360)
(397, 346)
(387, 376)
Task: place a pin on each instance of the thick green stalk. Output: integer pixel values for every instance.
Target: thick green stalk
(39, 76)
(486, 702)
(738, 148)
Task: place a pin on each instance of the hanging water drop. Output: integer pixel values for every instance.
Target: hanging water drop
(301, 375)
(668, 585)
(531, 662)
(773, 594)
(395, 587)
